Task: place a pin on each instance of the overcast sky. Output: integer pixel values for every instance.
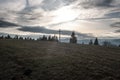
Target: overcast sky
(89, 18)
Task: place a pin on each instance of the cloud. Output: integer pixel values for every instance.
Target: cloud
(49, 5)
(38, 29)
(4, 1)
(116, 25)
(104, 3)
(42, 12)
(27, 13)
(113, 15)
(5, 24)
(117, 31)
(96, 3)
(11, 5)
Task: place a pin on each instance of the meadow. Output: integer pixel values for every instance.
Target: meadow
(44, 60)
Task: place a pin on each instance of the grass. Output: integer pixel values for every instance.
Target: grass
(57, 61)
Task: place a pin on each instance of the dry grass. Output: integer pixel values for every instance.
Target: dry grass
(57, 61)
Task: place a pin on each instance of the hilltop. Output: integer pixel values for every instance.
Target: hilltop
(44, 60)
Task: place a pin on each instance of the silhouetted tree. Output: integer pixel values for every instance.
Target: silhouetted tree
(56, 38)
(119, 45)
(2, 37)
(8, 37)
(73, 38)
(28, 38)
(91, 42)
(52, 39)
(38, 39)
(20, 38)
(49, 38)
(44, 38)
(96, 42)
(25, 38)
(16, 37)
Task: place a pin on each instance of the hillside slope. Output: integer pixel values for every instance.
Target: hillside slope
(37, 60)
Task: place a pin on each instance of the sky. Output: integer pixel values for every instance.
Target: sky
(88, 18)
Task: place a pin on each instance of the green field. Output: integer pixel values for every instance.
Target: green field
(57, 61)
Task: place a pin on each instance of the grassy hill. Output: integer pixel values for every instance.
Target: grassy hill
(37, 60)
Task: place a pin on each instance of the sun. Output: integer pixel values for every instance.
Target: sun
(65, 14)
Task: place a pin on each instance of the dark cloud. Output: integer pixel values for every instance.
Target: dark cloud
(116, 25)
(96, 3)
(4, 24)
(117, 31)
(37, 29)
(104, 3)
(113, 15)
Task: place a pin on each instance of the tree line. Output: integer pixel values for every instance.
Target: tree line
(73, 39)
(54, 38)
(43, 38)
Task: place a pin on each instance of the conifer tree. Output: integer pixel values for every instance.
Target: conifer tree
(49, 38)
(73, 38)
(96, 42)
(8, 37)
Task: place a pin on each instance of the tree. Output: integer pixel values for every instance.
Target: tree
(16, 37)
(8, 37)
(44, 38)
(96, 42)
(28, 38)
(49, 38)
(21, 38)
(39, 39)
(53, 38)
(118, 45)
(56, 38)
(2, 37)
(91, 42)
(73, 38)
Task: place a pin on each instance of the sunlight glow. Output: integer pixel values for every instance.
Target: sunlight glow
(65, 14)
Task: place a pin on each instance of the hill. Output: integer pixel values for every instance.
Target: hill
(39, 60)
